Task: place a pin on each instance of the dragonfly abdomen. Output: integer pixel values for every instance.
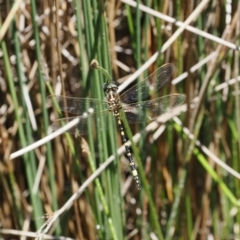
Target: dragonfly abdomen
(128, 152)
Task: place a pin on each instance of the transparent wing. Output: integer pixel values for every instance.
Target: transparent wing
(149, 110)
(153, 83)
(79, 106)
(91, 122)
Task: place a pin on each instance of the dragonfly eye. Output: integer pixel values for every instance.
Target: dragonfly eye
(105, 87)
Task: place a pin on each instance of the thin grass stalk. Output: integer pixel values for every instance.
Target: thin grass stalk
(93, 80)
(179, 40)
(175, 206)
(221, 52)
(182, 179)
(94, 45)
(35, 200)
(227, 219)
(100, 191)
(137, 57)
(235, 158)
(49, 155)
(74, 154)
(237, 90)
(138, 37)
(88, 33)
(130, 26)
(117, 209)
(80, 38)
(159, 7)
(234, 150)
(108, 175)
(84, 76)
(189, 216)
(171, 155)
(112, 172)
(145, 46)
(60, 115)
(90, 52)
(143, 180)
(200, 42)
(146, 32)
(86, 10)
(228, 193)
(101, 136)
(97, 93)
(105, 45)
(215, 217)
(26, 126)
(118, 213)
(103, 53)
(97, 80)
(236, 142)
(59, 49)
(15, 203)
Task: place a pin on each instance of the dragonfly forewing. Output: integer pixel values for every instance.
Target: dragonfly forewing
(151, 84)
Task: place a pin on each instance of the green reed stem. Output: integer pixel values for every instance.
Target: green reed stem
(143, 179)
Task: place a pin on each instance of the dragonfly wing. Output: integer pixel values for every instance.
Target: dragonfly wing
(149, 110)
(152, 83)
(79, 106)
(90, 122)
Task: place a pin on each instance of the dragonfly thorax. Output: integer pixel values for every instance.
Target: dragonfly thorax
(112, 97)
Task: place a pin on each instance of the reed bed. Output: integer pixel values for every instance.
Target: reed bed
(80, 187)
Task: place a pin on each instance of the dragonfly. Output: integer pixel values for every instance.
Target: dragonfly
(96, 112)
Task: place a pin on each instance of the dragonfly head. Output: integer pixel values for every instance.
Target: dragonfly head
(107, 87)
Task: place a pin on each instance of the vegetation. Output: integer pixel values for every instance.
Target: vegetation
(81, 187)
